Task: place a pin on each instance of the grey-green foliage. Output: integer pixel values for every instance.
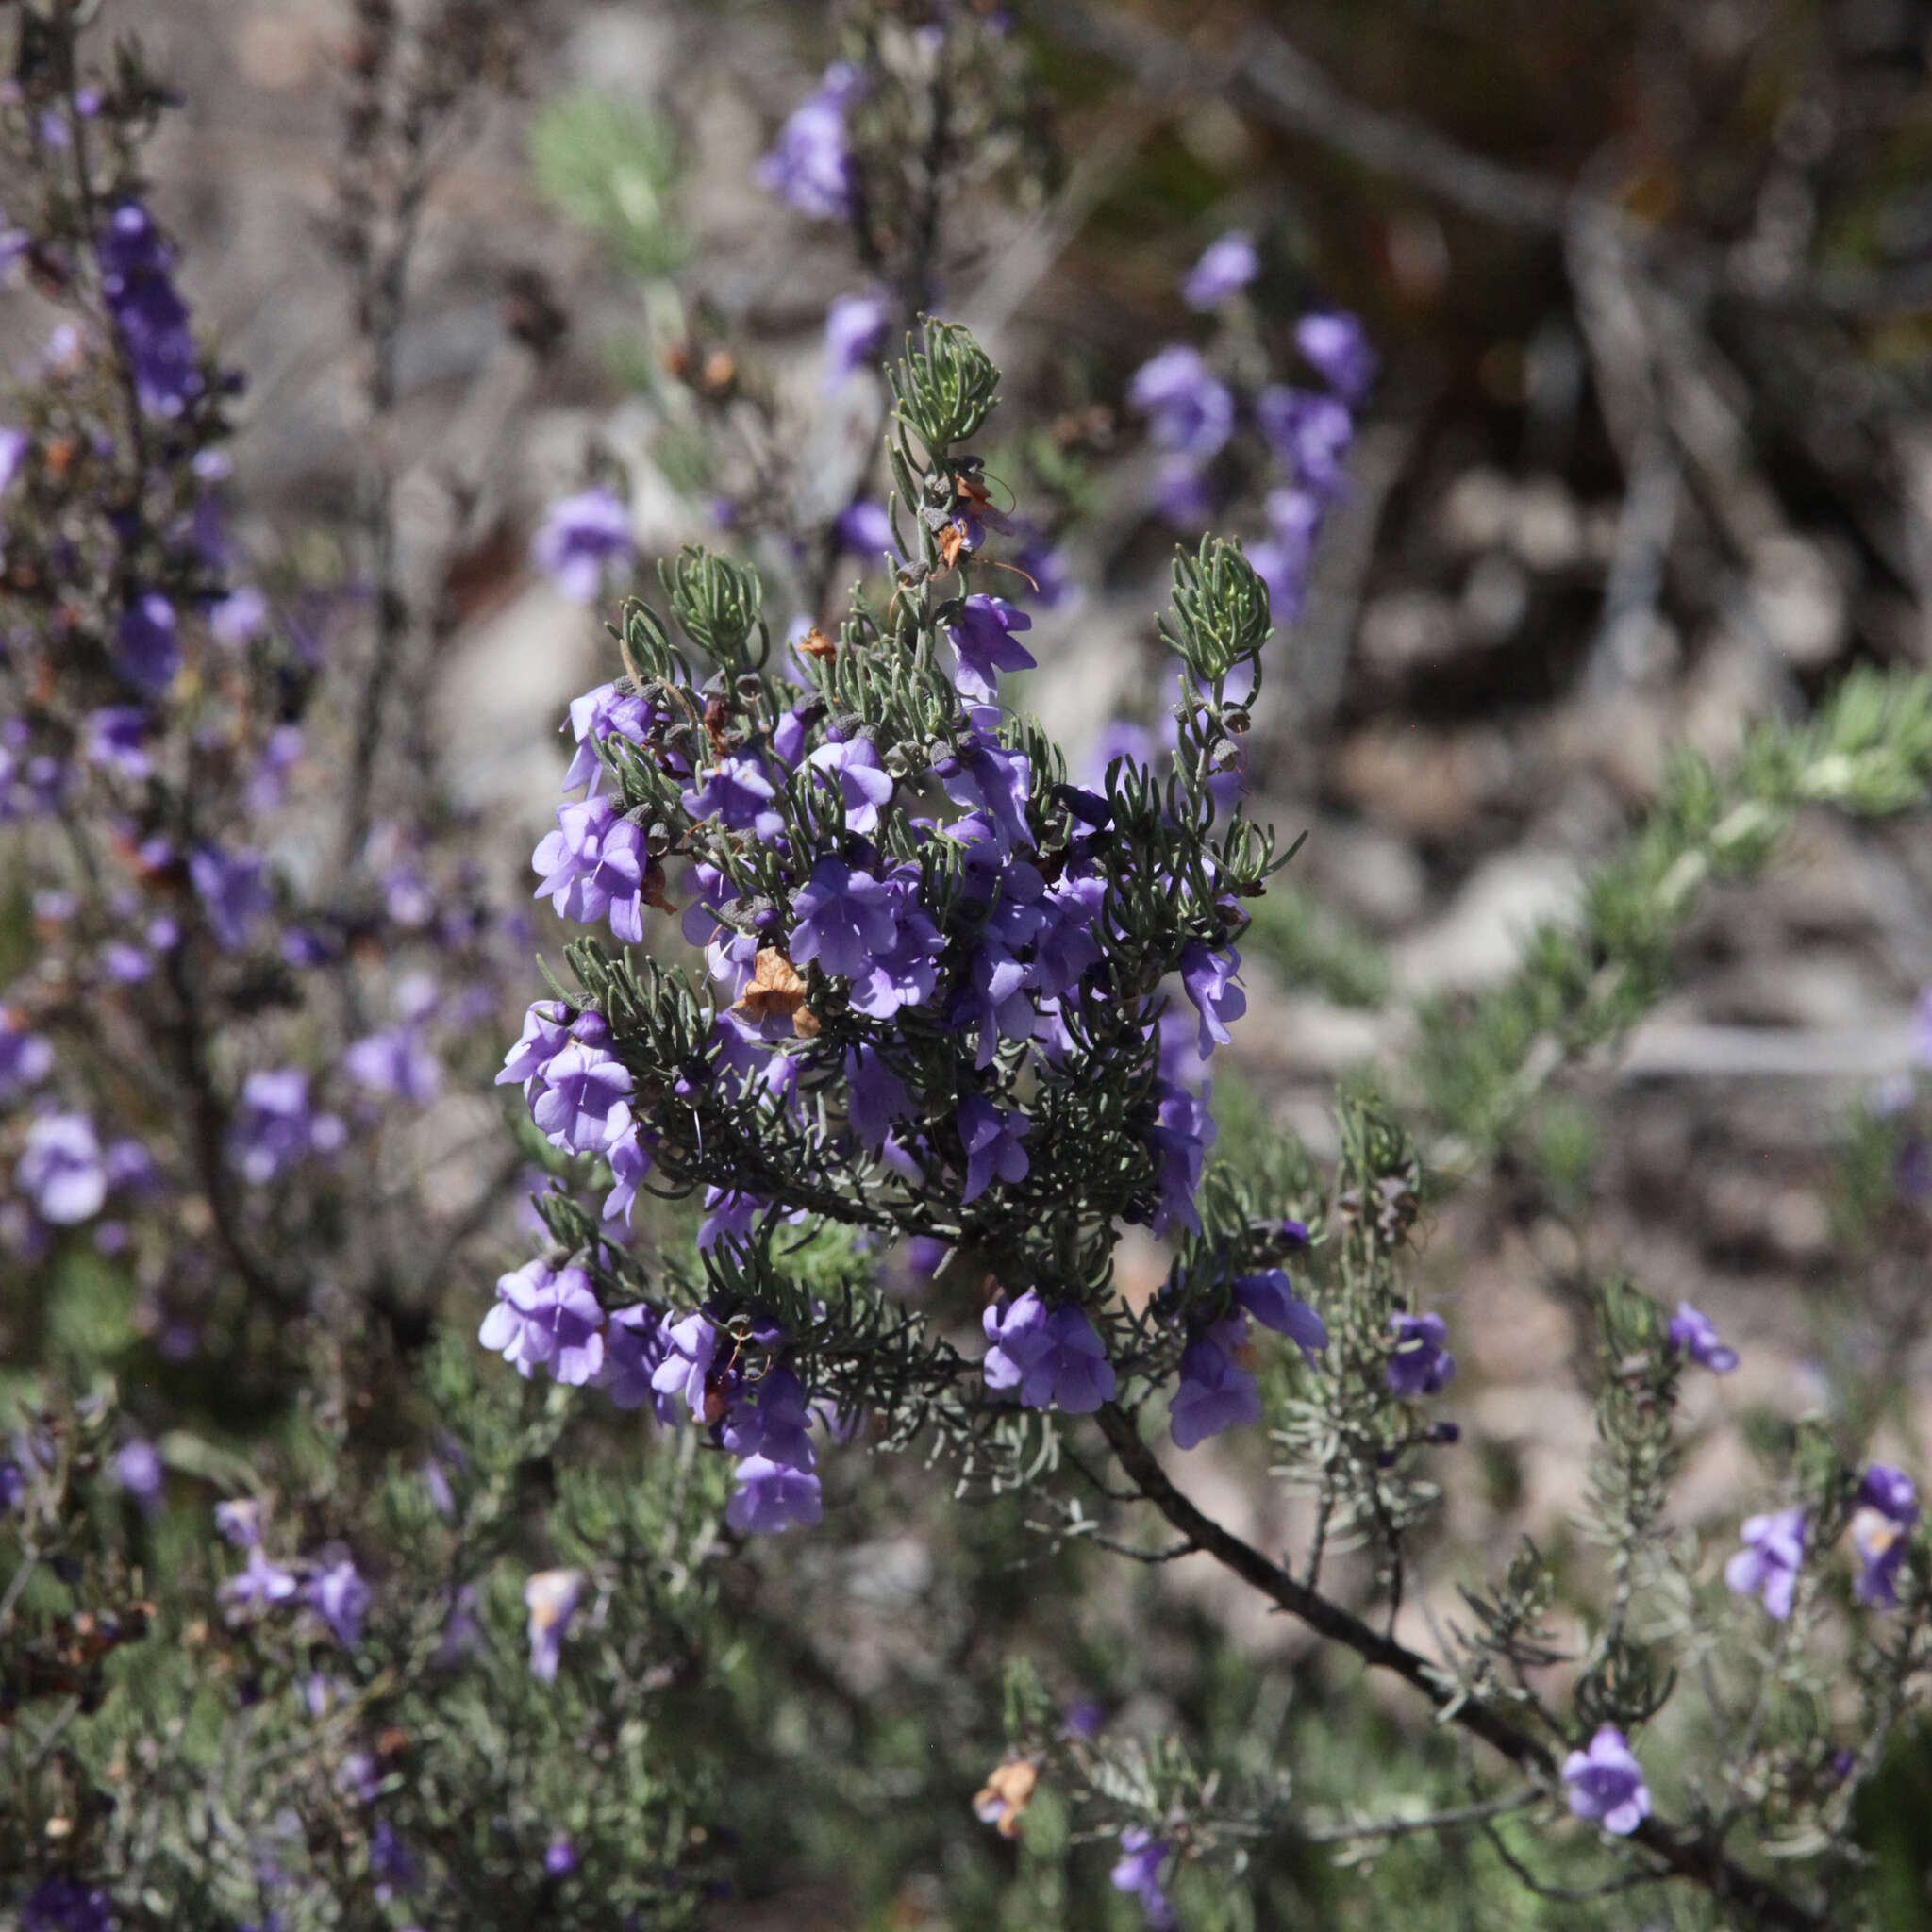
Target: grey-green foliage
(1869, 751)
(611, 166)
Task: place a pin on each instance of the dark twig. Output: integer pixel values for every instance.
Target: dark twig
(1686, 1854)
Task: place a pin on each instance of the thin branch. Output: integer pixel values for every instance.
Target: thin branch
(1450, 1820)
(1688, 1855)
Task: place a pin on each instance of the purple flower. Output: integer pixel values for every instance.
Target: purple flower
(843, 919)
(1692, 1333)
(771, 1498)
(1310, 435)
(605, 712)
(1138, 1870)
(863, 783)
(14, 445)
(61, 1904)
(773, 1421)
(239, 1520)
(856, 330)
(115, 738)
(581, 535)
(148, 653)
(594, 866)
(1275, 1305)
(738, 795)
(633, 1348)
(389, 1862)
(1419, 1365)
(631, 1162)
(1769, 1563)
(584, 1103)
(1336, 347)
(547, 1319)
(1181, 493)
(983, 645)
(396, 1061)
(865, 529)
(239, 617)
(138, 1470)
(1214, 1393)
(904, 972)
(340, 1598)
(1607, 1783)
(1053, 1358)
(1889, 1509)
(261, 1584)
(150, 317)
(61, 1168)
(808, 167)
(691, 1346)
(560, 1857)
(990, 780)
(26, 1059)
(991, 1136)
(233, 893)
(1189, 409)
(551, 1597)
(1209, 980)
(274, 1128)
(1179, 1139)
(1228, 266)
(875, 1097)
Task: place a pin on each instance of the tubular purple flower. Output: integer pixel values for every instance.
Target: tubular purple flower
(991, 1138)
(633, 1350)
(985, 777)
(983, 645)
(738, 795)
(1273, 1302)
(1137, 1871)
(61, 1169)
(138, 1470)
(1225, 267)
(551, 1597)
(1053, 1359)
(26, 1059)
(1769, 1563)
(547, 1319)
(842, 919)
(856, 330)
(396, 1062)
(596, 866)
(274, 1128)
(1179, 1139)
(239, 1520)
(233, 892)
(261, 1584)
(771, 1419)
(1336, 347)
(772, 1497)
(1214, 1393)
(149, 316)
(865, 529)
(581, 538)
(605, 713)
(691, 1346)
(864, 784)
(1208, 980)
(875, 1099)
(340, 1598)
(115, 740)
(1694, 1334)
(1606, 1783)
(1419, 1365)
(1881, 1533)
(584, 1104)
(238, 618)
(1190, 409)
(808, 167)
(1310, 435)
(148, 653)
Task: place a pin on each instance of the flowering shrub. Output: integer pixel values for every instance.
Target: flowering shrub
(882, 1022)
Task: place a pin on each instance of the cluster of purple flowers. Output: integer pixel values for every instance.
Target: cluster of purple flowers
(1192, 413)
(333, 1587)
(1775, 1545)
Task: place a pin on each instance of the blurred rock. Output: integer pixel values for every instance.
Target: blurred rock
(1479, 940)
